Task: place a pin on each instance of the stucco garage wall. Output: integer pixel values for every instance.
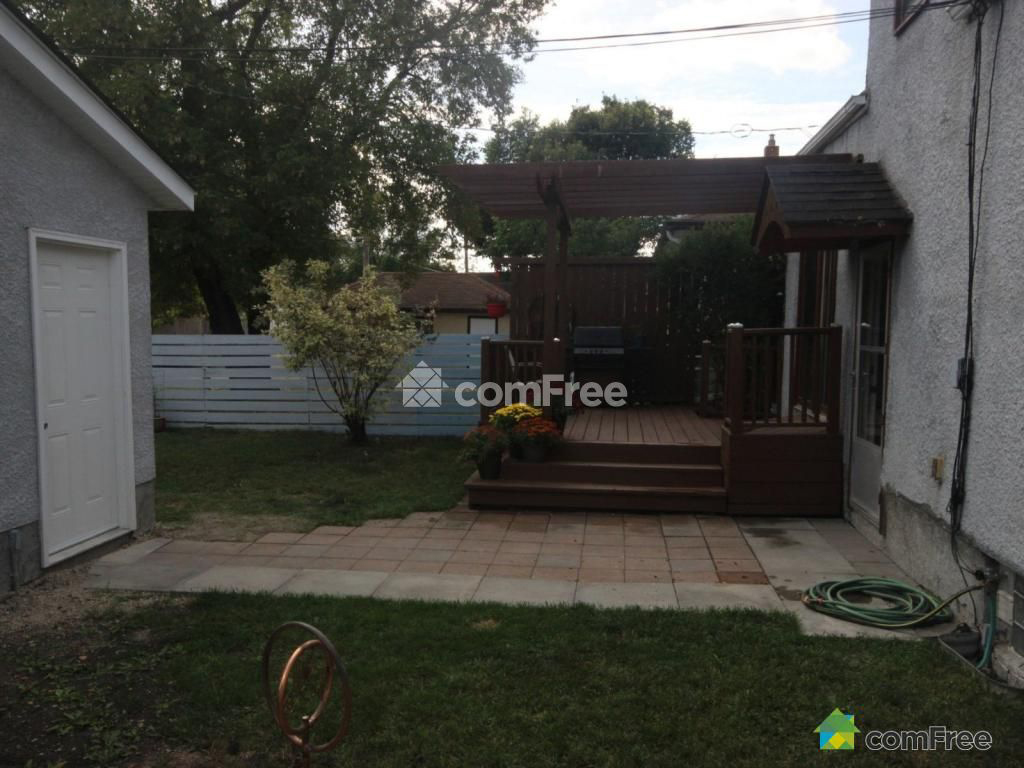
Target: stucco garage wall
(52, 179)
(919, 89)
(458, 322)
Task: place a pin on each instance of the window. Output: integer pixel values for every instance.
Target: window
(904, 12)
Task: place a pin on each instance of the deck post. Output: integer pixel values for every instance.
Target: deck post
(550, 290)
(735, 377)
(486, 372)
(705, 376)
(834, 374)
(563, 281)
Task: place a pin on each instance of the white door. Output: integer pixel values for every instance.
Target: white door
(870, 361)
(81, 372)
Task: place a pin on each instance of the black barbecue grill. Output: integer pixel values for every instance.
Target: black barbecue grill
(598, 354)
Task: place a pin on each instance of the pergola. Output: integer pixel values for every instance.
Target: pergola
(812, 186)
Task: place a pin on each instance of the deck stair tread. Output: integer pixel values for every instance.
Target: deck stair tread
(559, 487)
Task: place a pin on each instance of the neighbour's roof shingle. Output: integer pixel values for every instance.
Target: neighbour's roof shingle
(446, 291)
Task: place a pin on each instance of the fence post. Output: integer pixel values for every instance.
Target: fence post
(486, 372)
(705, 377)
(835, 368)
(735, 377)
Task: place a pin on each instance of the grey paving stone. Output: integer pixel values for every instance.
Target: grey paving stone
(818, 624)
(228, 578)
(631, 595)
(791, 550)
(496, 589)
(775, 523)
(791, 584)
(141, 576)
(428, 586)
(704, 596)
(334, 583)
(133, 553)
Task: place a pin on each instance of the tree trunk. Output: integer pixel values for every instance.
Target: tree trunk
(356, 429)
(220, 308)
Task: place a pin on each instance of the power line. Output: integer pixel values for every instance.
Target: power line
(861, 15)
(167, 53)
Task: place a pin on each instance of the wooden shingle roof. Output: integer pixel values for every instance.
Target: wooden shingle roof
(820, 205)
(445, 291)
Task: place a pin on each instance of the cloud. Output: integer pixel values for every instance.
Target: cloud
(818, 49)
(796, 78)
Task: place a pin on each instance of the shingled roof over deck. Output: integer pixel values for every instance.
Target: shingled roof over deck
(822, 205)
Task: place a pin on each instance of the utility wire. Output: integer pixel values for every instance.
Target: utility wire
(975, 190)
(300, 54)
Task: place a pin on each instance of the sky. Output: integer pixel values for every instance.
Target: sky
(782, 79)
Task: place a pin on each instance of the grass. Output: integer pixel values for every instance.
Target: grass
(445, 685)
(313, 477)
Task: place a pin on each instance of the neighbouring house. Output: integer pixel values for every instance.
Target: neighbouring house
(903, 302)
(459, 300)
(76, 401)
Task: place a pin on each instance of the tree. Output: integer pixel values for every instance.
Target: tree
(619, 130)
(724, 280)
(354, 333)
(295, 120)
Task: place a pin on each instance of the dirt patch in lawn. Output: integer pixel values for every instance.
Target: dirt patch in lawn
(214, 526)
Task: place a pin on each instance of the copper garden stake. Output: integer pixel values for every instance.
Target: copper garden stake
(334, 671)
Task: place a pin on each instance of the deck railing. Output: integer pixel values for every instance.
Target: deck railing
(710, 385)
(782, 377)
(509, 361)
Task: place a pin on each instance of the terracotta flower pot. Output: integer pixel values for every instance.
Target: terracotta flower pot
(489, 466)
(495, 309)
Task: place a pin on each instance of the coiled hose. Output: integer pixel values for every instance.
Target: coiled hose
(905, 606)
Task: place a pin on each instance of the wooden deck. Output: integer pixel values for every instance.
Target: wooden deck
(669, 459)
(647, 425)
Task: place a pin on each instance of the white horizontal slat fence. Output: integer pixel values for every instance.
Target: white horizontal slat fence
(241, 382)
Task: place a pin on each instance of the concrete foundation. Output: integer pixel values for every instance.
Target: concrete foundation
(145, 507)
(20, 556)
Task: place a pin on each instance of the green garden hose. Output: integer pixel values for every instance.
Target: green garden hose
(905, 606)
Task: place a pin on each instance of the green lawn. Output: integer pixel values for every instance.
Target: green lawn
(450, 685)
(314, 478)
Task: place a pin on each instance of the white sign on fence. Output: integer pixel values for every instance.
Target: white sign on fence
(241, 382)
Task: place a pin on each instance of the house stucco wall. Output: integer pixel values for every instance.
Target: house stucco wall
(919, 91)
(52, 179)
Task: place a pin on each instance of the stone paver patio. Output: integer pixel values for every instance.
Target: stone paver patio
(601, 559)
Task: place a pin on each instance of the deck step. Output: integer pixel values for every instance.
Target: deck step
(616, 473)
(636, 453)
(565, 495)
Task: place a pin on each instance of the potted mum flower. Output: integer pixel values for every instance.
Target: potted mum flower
(535, 436)
(506, 419)
(484, 447)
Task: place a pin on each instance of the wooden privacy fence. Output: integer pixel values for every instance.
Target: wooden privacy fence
(242, 382)
(631, 294)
